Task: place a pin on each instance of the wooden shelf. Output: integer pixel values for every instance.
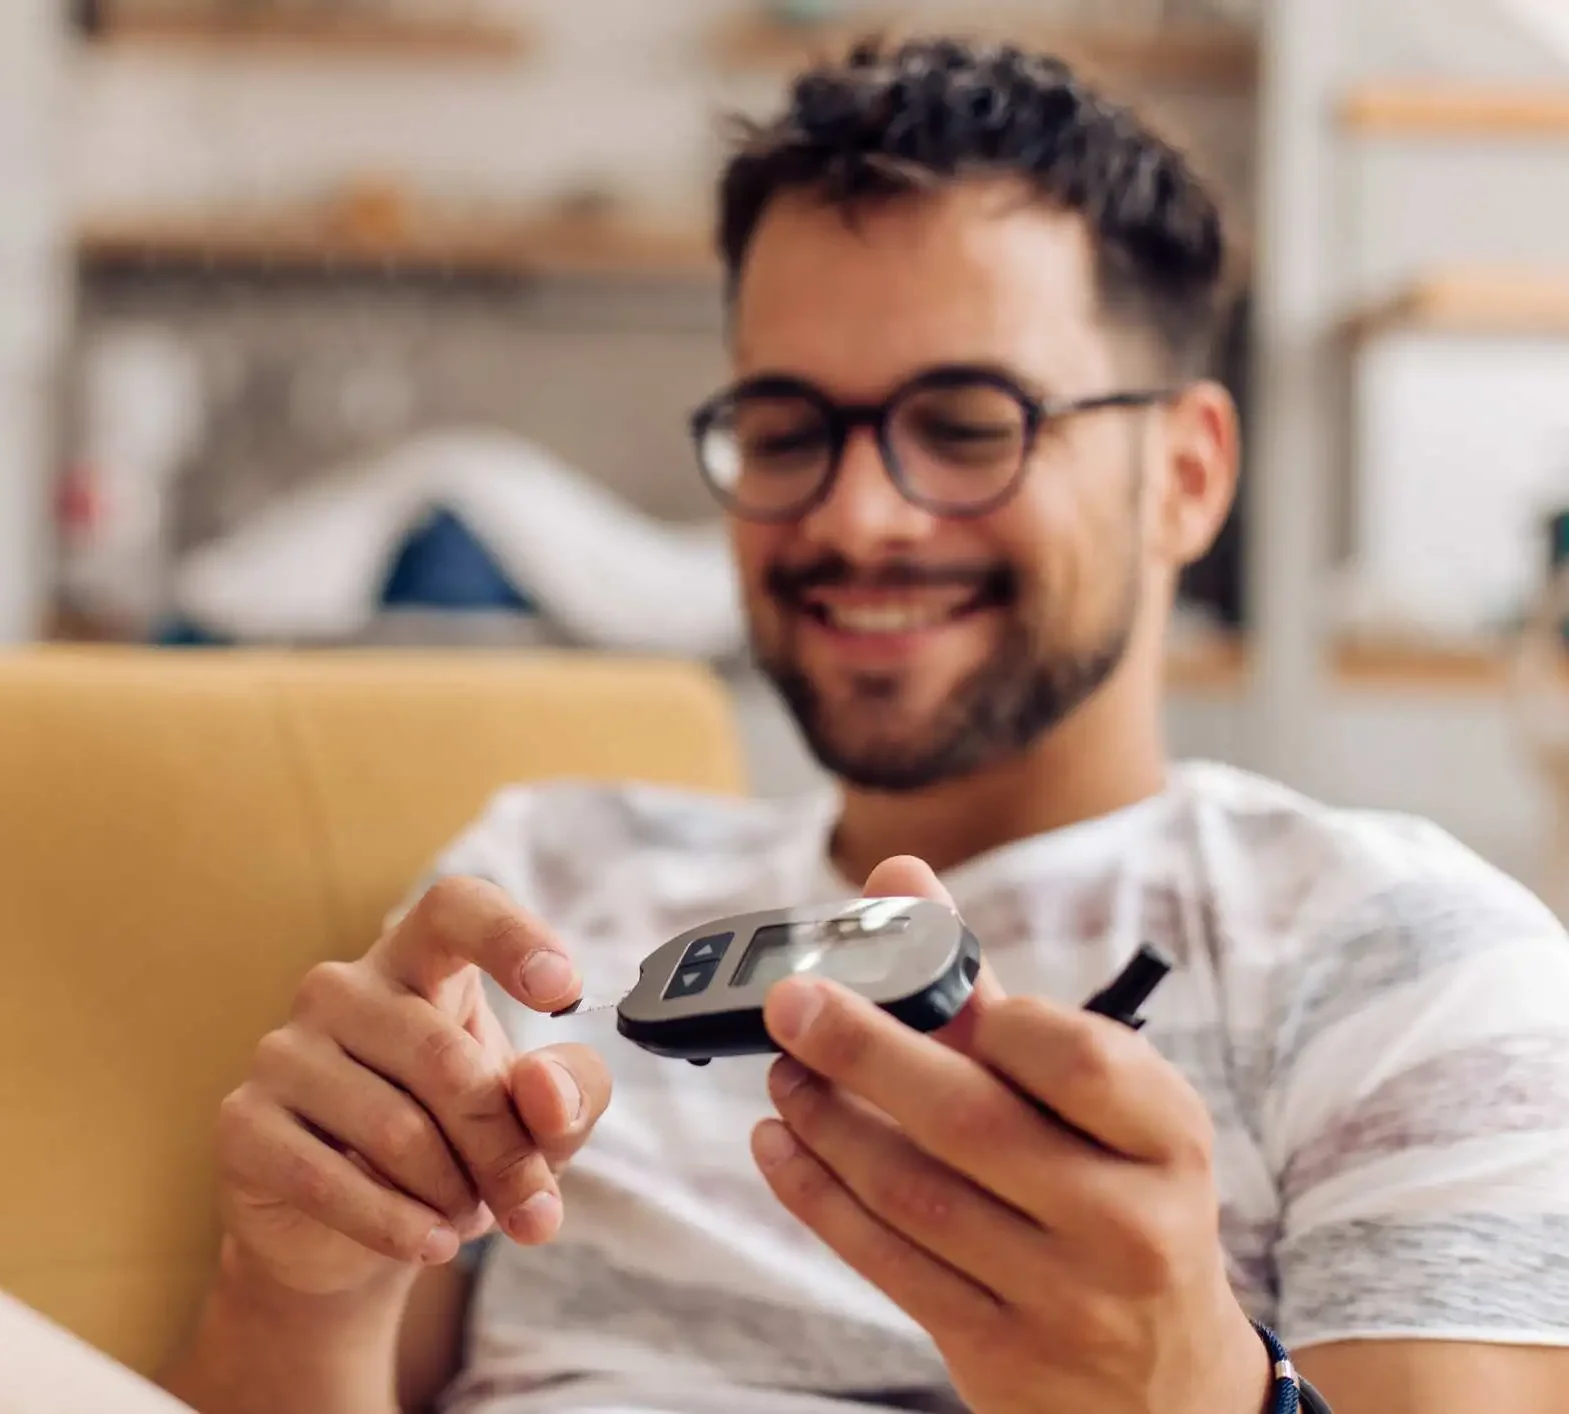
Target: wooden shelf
(1223, 668)
(200, 27)
(1475, 302)
(524, 247)
(1196, 56)
(1408, 667)
(1443, 110)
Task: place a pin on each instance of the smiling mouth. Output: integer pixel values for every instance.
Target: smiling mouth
(891, 615)
(891, 609)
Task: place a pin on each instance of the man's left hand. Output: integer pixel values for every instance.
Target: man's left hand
(1034, 1189)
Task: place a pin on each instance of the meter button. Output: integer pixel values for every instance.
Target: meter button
(689, 981)
(709, 949)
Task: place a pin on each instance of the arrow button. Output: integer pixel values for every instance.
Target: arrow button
(689, 981)
(709, 949)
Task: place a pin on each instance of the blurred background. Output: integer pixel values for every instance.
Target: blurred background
(377, 321)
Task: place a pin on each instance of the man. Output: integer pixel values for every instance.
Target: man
(966, 455)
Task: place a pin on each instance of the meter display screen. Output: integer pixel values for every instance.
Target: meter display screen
(851, 947)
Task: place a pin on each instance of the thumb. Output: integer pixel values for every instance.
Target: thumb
(907, 877)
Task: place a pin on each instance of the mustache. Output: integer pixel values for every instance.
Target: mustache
(792, 583)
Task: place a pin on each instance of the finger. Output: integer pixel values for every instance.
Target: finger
(265, 1153)
(357, 1109)
(459, 922)
(959, 1034)
(936, 1208)
(952, 1107)
(907, 877)
(930, 1292)
(560, 1092)
(1097, 1075)
(904, 876)
(463, 1087)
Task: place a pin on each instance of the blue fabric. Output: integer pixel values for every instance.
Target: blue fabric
(182, 633)
(443, 566)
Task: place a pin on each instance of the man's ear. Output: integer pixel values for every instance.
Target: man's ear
(1203, 452)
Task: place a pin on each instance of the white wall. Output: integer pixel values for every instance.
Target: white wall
(31, 295)
(1344, 221)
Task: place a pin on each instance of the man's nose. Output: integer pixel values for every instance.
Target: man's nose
(865, 512)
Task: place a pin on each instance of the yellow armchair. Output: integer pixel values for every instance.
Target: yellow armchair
(182, 835)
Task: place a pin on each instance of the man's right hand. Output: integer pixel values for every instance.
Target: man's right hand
(389, 1119)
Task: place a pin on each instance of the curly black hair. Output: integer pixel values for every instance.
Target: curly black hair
(892, 120)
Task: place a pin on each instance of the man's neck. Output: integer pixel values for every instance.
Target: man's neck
(1107, 756)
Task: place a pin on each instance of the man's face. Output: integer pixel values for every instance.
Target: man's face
(914, 647)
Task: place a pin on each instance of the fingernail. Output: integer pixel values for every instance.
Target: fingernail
(788, 1077)
(794, 1009)
(440, 1247)
(547, 976)
(568, 1089)
(537, 1219)
(773, 1145)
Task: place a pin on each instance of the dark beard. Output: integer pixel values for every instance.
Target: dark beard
(1009, 702)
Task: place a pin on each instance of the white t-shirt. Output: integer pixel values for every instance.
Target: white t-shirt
(1377, 1020)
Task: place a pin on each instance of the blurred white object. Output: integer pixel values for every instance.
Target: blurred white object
(49, 1371)
(313, 568)
(1462, 447)
(1548, 18)
(142, 413)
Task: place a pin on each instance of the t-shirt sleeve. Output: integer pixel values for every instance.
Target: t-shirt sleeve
(1419, 1124)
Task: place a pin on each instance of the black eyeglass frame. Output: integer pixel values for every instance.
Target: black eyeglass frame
(841, 419)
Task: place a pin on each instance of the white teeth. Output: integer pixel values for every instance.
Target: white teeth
(883, 618)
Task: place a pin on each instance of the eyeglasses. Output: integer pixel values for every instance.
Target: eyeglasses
(955, 441)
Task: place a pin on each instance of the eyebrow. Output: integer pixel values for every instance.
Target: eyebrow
(1027, 385)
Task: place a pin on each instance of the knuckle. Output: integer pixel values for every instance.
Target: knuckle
(1084, 1058)
(444, 1057)
(804, 1186)
(307, 1183)
(1193, 1149)
(235, 1128)
(323, 989)
(980, 1334)
(1148, 1242)
(1090, 1324)
(399, 1137)
(912, 1196)
(276, 1053)
(449, 897)
(1019, 1012)
(980, 1124)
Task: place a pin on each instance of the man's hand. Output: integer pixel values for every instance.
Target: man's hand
(390, 1118)
(1034, 1189)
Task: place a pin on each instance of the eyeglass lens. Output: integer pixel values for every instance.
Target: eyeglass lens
(952, 445)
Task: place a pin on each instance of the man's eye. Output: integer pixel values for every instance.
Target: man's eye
(967, 432)
(781, 445)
